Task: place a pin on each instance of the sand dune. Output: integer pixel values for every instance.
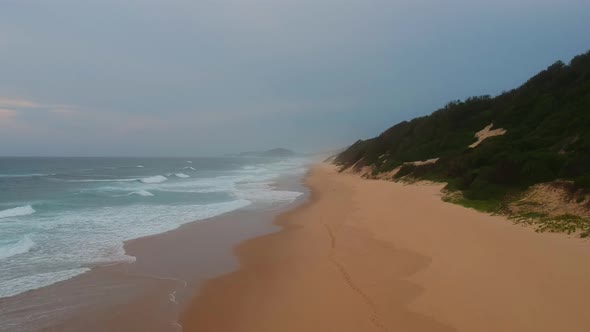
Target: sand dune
(487, 132)
(367, 255)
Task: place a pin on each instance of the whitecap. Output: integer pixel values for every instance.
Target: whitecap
(154, 179)
(139, 166)
(104, 180)
(143, 193)
(19, 247)
(23, 175)
(181, 175)
(189, 168)
(17, 211)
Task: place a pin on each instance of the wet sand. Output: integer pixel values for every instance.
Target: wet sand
(150, 293)
(366, 255)
(168, 270)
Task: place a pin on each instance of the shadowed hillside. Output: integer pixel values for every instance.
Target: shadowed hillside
(491, 149)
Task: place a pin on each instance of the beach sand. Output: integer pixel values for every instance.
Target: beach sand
(167, 273)
(369, 255)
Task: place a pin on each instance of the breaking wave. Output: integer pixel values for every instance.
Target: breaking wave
(23, 175)
(154, 179)
(20, 247)
(104, 180)
(17, 211)
(143, 193)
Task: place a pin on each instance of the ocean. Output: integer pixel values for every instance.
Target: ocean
(59, 217)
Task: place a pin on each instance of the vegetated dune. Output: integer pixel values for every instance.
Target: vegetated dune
(535, 134)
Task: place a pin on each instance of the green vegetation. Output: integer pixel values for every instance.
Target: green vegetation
(566, 223)
(490, 206)
(547, 123)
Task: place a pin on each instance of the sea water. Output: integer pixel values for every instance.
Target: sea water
(59, 217)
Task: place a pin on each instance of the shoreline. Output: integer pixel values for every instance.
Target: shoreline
(350, 254)
(168, 269)
(377, 256)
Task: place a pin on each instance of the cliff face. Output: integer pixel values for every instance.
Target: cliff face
(491, 150)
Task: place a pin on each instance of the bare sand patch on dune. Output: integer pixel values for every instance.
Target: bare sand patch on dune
(487, 132)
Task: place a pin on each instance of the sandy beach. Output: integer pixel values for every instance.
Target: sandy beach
(168, 270)
(167, 273)
(368, 255)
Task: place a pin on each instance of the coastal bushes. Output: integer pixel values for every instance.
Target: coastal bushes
(547, 123)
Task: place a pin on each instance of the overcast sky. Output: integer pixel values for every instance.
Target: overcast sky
(185, 78)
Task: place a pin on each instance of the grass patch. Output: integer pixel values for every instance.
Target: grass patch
(565, 223)
(487, 206)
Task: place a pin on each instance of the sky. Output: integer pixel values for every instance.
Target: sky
(189, 78)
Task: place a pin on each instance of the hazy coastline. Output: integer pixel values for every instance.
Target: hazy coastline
(294, 166)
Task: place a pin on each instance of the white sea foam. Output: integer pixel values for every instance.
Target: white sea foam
(22, 284)
(20, 247)
(188, 161)
(139, 166)
(17, 211)
(154, 179)
(104, 180)
(143, 193)
(254, 170)
(205, 185)
(95, 237)
(249, 184)
(69, 240)
(181, 175)
(263, 192)
(23, 175)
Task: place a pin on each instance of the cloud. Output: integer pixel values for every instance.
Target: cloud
(27, 103)
(7, 114)
(13, 104)
(17, 103)
(217, 76)
(26, 115)
(64, 111)
(7, 118)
